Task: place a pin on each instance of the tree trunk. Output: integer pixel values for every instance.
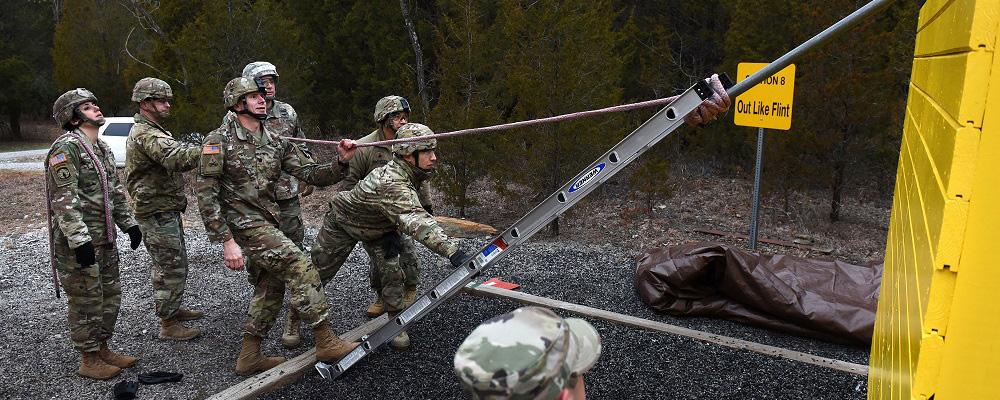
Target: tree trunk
(419, 55)
(837, 186)
(15, 123)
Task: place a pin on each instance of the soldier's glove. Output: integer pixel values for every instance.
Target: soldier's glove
(430, 209)
(194, 138)
(134, 236)
(392, 244)
(458, 258)
(85, 255)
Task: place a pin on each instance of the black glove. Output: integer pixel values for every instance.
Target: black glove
(430, 209)
(85, 254)
(134, 236)
(392, 244)
(458, 258)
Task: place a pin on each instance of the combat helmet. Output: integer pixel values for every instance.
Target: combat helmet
(258, 69)
(151, 88)
(388, 105)
(65, 106)
(237, 88)
(413, 130)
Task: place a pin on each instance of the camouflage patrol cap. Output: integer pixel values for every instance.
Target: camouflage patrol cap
(258, 69)
(62, 109)
(237, 87)
(388, 105)
(413, 130)
(151, 87)
(529, 353)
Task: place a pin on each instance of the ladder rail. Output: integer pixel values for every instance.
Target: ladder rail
(606, 166)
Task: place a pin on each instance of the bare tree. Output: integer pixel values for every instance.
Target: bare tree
(419, 54)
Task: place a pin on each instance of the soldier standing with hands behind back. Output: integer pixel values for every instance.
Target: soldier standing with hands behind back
(153, 166)
(85, 202)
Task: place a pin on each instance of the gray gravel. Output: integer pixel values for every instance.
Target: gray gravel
(24, 160)
(39, 361)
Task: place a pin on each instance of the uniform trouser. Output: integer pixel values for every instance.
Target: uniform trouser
(334, 244)
(163, 234)
(407, 261)
(94, 294)
(275, 262)
(290, 220)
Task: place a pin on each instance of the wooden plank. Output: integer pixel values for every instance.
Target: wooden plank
(952, 147)
(824, 250)
(843, 366)
(964, 25)
(955, 83)
(289, 371)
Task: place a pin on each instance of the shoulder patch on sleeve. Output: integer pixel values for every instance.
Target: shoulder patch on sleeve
(62, 175)
(58, 158)
(211, 148)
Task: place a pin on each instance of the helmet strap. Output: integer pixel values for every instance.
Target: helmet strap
(81, 117)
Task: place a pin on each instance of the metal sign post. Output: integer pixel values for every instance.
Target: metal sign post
(756, 189)
(767, 105)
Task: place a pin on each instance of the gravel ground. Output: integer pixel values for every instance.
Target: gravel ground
(24, 160)
(41, 363)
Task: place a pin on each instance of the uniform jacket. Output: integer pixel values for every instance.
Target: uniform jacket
(75, 195)
(154, 161)
(236, 178)
(387, 200)
(366, 159)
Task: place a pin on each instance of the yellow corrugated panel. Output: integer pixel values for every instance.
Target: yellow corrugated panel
(954, 29)
(937, 330)
(970, 366)
(947, 79)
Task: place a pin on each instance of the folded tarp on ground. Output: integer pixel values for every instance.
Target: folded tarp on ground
(829, 300)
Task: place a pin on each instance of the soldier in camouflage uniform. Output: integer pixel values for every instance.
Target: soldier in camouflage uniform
(391, 112)
(282, 120)
(85, 202)
(529, 353)
(154, 161)
(239, 164)
(379, 207)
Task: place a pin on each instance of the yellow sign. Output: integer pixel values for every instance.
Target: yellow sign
(769, 104)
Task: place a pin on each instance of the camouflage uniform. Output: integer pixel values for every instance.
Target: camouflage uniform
(154, 162)
(365, 160)
(529, 353)
(282, 119)
(379, 207)
(236, 198)
(78, 211)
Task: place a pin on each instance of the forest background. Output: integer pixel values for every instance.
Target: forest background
(470, 63)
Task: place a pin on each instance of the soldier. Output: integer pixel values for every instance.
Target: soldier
(391, 112)
(153, 166)
(239, 164)
(379, 207)
(529, 353)
(85, 202)
(282, 120)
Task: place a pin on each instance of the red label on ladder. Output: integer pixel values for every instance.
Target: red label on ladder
(497, 283)
(491, 251)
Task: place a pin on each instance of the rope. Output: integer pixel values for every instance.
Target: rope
(512, 125)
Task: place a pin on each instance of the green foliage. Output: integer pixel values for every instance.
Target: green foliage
(25, 63)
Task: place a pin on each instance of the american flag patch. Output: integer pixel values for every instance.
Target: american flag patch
(57, 159)
(211, 149)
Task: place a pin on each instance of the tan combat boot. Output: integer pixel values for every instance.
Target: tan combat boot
(251, 361)
(118, 360)
(377, 308)
(188, 315)
(92, 366)
(330, 347)
(401, 342)
(409, 296)
(172, 329)
(291, 337)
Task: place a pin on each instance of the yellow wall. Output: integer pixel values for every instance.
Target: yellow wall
(937, 332)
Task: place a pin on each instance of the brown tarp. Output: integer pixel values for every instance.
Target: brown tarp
(829, 300)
